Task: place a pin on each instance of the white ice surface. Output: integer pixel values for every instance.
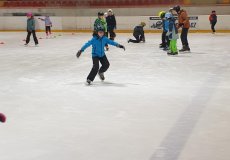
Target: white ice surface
(150, 107)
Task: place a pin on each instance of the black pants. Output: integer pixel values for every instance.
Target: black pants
(163, 38)
(138, 39)
(184, 37)
(48, 30)
(111, 34)
(34, 36)
(105, 65)
(213, 26)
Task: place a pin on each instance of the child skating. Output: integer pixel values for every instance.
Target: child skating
(31, 29)
(213, 21)
(48, 25)
(172, 34)
(98, 43)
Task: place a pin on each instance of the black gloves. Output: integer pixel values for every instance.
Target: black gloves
(79, 53)
(121, 46)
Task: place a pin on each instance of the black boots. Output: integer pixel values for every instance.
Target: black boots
(185, 48)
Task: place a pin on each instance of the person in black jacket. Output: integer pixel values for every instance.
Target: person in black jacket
(111, 24)
(213, 20)
(138, 33)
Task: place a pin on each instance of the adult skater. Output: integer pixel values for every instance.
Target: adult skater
(138, 33)
(31, 29)
(98, 43)
(48, 25)
(172, 34)
(111, 23)
(183, 22)
(213, 21)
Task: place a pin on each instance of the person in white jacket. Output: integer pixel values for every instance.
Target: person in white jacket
(48, 25)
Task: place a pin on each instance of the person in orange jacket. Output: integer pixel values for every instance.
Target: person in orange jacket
(213, 20)
(183, 22)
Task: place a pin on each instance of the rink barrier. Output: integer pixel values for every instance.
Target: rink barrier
(198, 23)
(120, 31)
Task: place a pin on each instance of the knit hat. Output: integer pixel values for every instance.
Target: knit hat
(143, 24)
(29, 14)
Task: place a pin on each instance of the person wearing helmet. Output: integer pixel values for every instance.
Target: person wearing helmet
(183, 22)
(98, 43)
(172, 34)
(213, 21)
(164, 38)
(111, 23)
(138, 33)
(31, 29)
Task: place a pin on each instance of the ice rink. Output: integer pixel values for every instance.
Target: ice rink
(150, 107)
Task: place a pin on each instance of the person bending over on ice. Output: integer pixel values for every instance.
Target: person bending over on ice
(183, 22)
(31, 29)
(138, 33)
(98, 43)
(48, 25)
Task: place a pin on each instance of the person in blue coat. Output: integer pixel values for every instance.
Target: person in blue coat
(98, 43)
(31, 29)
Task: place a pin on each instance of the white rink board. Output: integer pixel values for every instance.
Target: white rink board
(123, 23)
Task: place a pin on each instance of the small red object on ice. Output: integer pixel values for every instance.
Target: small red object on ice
(2, 43)
(2, 118)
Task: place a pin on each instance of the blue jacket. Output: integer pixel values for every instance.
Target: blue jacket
(98, 45)
(165, 25)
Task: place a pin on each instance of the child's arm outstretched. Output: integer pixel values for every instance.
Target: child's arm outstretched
(89, 43)
(41, 19)
(115, 44)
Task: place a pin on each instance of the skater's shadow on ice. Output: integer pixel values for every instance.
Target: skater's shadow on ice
(108, 84)
(199, 52)
(103, 84)
(181, 55)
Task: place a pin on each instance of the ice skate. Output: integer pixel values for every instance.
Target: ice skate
(101, 76)
(26, 44)
(172, 53)
(166, 48)
(185, 49)
(88, 82)
(162, 45)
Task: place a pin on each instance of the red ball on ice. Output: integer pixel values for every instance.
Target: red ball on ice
(2, 118)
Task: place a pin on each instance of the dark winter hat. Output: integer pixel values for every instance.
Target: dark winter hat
(100, 28)
(176, 8)
(213, 11)
(100, 14)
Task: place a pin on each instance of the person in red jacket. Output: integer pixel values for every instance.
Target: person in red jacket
(213, 20)
(183, 22)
